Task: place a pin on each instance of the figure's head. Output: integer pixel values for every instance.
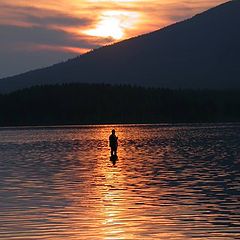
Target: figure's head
(113, 132)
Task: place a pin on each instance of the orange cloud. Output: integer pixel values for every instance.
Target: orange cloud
(89, 15)
(54, 48)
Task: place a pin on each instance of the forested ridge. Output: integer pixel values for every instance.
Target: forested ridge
(102, 103)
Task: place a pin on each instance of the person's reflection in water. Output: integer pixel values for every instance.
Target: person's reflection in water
(114, 159)
(113, 143)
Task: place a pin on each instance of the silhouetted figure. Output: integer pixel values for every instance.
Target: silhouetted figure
(113, 143)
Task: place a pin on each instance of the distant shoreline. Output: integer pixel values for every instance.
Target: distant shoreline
(77, 126)
(103, 104)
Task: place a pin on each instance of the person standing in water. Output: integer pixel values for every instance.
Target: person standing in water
(113, 143)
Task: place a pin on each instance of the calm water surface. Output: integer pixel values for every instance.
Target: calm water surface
(170, 182)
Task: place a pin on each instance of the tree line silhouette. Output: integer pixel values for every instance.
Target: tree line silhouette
(103, 103)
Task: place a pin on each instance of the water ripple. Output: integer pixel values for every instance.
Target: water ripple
(169, 182)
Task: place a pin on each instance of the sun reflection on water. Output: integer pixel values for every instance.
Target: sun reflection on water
(168, 183)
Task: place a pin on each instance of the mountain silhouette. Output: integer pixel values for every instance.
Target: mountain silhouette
(201, 52)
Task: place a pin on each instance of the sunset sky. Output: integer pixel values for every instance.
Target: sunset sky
(39, 33)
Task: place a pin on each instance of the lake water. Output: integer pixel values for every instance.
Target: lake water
(169, 182)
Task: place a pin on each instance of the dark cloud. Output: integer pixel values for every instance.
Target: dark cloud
(39, 35)
(38, 16)
(62, 20)
(33, 37)
(19, 48)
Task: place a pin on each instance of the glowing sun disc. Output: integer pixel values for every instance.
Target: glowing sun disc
(113, 24)
(107, 28)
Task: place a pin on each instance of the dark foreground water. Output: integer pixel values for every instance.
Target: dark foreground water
(169, 182)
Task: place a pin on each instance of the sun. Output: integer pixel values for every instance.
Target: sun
(113, 24)
(109, 27)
